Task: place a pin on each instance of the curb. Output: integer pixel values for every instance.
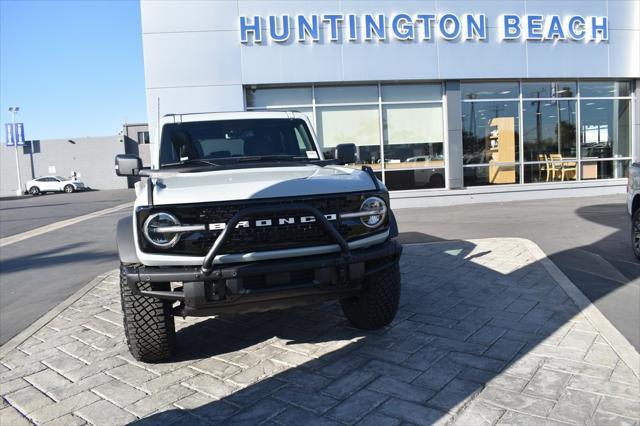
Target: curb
(616, 340)
(46, 318)
(13, 197)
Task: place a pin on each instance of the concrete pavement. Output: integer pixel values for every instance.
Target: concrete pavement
(38, 273)
(587, 238)
(484, 335)
(20, 215)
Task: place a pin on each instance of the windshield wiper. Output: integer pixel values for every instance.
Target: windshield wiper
(192, 161)
(276, 157)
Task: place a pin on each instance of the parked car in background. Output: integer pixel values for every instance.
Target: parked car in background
(54, 184)
(633, 205)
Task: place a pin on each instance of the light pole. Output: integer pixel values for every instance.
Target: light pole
(14, 111)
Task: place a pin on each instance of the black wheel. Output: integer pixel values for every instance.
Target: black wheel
(635, 233)
(377, 304)
(68, 189)
(34, 190)
(148, 322)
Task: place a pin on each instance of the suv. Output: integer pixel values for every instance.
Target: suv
(241, 213)
(54, 184)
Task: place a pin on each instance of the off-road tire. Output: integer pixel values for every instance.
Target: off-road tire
(377, 304)
(635, 233)
(69, 189)
(34, 190)
(148, 322)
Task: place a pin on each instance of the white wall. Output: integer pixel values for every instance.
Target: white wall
(194, 61)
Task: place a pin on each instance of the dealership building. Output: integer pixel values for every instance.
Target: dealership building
(448, 101)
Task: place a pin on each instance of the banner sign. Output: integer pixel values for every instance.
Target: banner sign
(19, 134)
(349, 28)
(14, 135)
(10, 139)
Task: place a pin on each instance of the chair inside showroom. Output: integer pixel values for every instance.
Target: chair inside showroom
(545, 167)
(567, 169)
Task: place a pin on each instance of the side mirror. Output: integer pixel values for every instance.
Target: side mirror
(128, 165)
(346, 153)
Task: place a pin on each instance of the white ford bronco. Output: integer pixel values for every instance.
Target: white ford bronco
(241, 212)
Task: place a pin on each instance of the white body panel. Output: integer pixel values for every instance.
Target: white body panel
(271, 182)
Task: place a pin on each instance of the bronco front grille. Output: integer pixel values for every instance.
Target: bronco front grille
(274, 237)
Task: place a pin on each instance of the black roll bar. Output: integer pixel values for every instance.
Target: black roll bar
(259, 210)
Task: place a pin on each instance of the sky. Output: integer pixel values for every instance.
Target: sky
(74, 68)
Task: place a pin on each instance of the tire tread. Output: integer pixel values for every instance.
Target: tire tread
(377, 305)
(149, 325)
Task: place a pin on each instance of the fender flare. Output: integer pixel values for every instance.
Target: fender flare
(125, 241)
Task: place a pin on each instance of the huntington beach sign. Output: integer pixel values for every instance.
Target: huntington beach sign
(350, 28)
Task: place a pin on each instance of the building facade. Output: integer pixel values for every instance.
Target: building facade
(446, 100)
(92, 158)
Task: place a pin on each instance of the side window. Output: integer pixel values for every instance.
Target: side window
(143, 138)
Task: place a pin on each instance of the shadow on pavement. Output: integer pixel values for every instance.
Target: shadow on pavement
(465, 318)
(69, 253)
(35, 207)
(605, 267)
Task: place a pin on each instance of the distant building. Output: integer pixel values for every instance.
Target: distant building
(91, 157)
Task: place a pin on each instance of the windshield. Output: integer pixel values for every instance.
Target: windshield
(223, 141)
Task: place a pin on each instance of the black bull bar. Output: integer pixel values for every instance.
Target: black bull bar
(328, 269)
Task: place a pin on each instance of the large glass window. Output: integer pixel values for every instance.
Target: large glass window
(413, 145)
(270, 97)
(549, 89)
(605, 128)
(411, 92)
(549, 134)
(530, 131)
(605, 88)
(565, 136)
(549, 128)
(493, 90)
(350, 124)
(398, 128)
(346, 94)
(491, 148)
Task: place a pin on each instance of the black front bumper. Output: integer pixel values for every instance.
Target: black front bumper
(266, 285)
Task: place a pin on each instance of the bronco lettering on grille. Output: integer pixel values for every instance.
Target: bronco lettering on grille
(269, 222)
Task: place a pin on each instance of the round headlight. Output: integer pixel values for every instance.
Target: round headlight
(161, 239)
(373, 204)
